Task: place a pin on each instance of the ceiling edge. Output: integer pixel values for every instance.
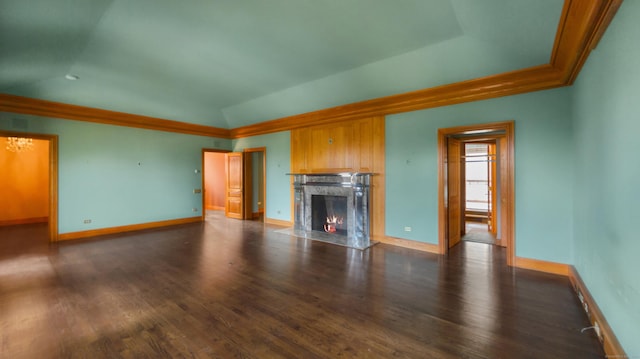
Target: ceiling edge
(581, 25)
(30, 106)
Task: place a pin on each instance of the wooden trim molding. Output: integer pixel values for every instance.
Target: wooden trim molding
(510, 83)
(542, 266)
(610, 343)
(406, 243)
(278, 222)
(31, 106)
(15, 222)
(128, 228)
(581, 26)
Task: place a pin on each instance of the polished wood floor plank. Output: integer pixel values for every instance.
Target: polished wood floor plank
(233, 289)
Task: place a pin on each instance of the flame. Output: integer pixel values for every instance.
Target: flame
(334, 220)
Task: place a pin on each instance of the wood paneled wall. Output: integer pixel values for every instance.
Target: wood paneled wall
(351, 146)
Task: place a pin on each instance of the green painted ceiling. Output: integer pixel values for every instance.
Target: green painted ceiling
(230, 63)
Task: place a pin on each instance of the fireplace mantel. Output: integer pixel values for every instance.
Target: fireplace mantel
(354, 186)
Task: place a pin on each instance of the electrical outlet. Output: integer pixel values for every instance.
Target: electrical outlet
(197, 190)
(195, 209)
(86, 221)
(407, 229)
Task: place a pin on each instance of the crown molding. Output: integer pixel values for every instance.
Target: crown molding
(581, 25)
(505, 84)
(31, 106)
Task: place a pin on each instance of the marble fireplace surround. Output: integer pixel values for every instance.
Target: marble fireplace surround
(352, 185)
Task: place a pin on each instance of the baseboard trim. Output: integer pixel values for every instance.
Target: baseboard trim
(406, 243)
(542, 266)
(128, 228)
(278, 222)
(612, 347)
(16, 222)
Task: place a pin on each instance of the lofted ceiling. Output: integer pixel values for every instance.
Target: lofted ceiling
(232, 63)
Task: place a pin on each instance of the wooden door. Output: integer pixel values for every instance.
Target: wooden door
(234, 198)
(491, 175)
(505, 173)
(248, 185)
(454, 180)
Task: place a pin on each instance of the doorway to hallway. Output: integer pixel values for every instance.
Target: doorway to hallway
(452, 185)
(234, 183)
(29, 184)
(478, 191)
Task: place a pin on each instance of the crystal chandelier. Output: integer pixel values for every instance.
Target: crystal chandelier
(19, 144)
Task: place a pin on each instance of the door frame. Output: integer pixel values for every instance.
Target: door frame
(203, 192)
(53, 176)
(264, 177)
(507, 181)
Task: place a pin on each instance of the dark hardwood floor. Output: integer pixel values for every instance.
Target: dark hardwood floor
(233, 289)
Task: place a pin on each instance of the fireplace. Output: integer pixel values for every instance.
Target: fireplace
(333, 207)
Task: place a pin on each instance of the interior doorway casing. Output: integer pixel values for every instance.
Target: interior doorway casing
(53, 176)
(507, 181)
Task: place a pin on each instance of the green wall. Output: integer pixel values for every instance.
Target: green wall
(544, 169)
(607, 194)
(117, 176)
(278, 196)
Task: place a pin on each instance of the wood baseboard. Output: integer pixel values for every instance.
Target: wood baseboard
(15, 222)
(214, 208)
(542, 266)
(406, 243)
(278, 222)
(256, 215)
(128, 228)
(612, 347)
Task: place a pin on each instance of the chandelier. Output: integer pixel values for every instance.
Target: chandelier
(19, 144)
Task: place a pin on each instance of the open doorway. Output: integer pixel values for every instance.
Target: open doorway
(452, 186)
(213, 180)
(29, 192)
(255, 183)
(234, 184)
(479, 194)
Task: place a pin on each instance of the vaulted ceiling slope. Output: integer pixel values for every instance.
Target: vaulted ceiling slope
(233, 63)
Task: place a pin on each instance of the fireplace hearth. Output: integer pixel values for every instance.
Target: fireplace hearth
(333, 207)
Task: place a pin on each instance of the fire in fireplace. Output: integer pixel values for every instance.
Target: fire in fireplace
(329, 214)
